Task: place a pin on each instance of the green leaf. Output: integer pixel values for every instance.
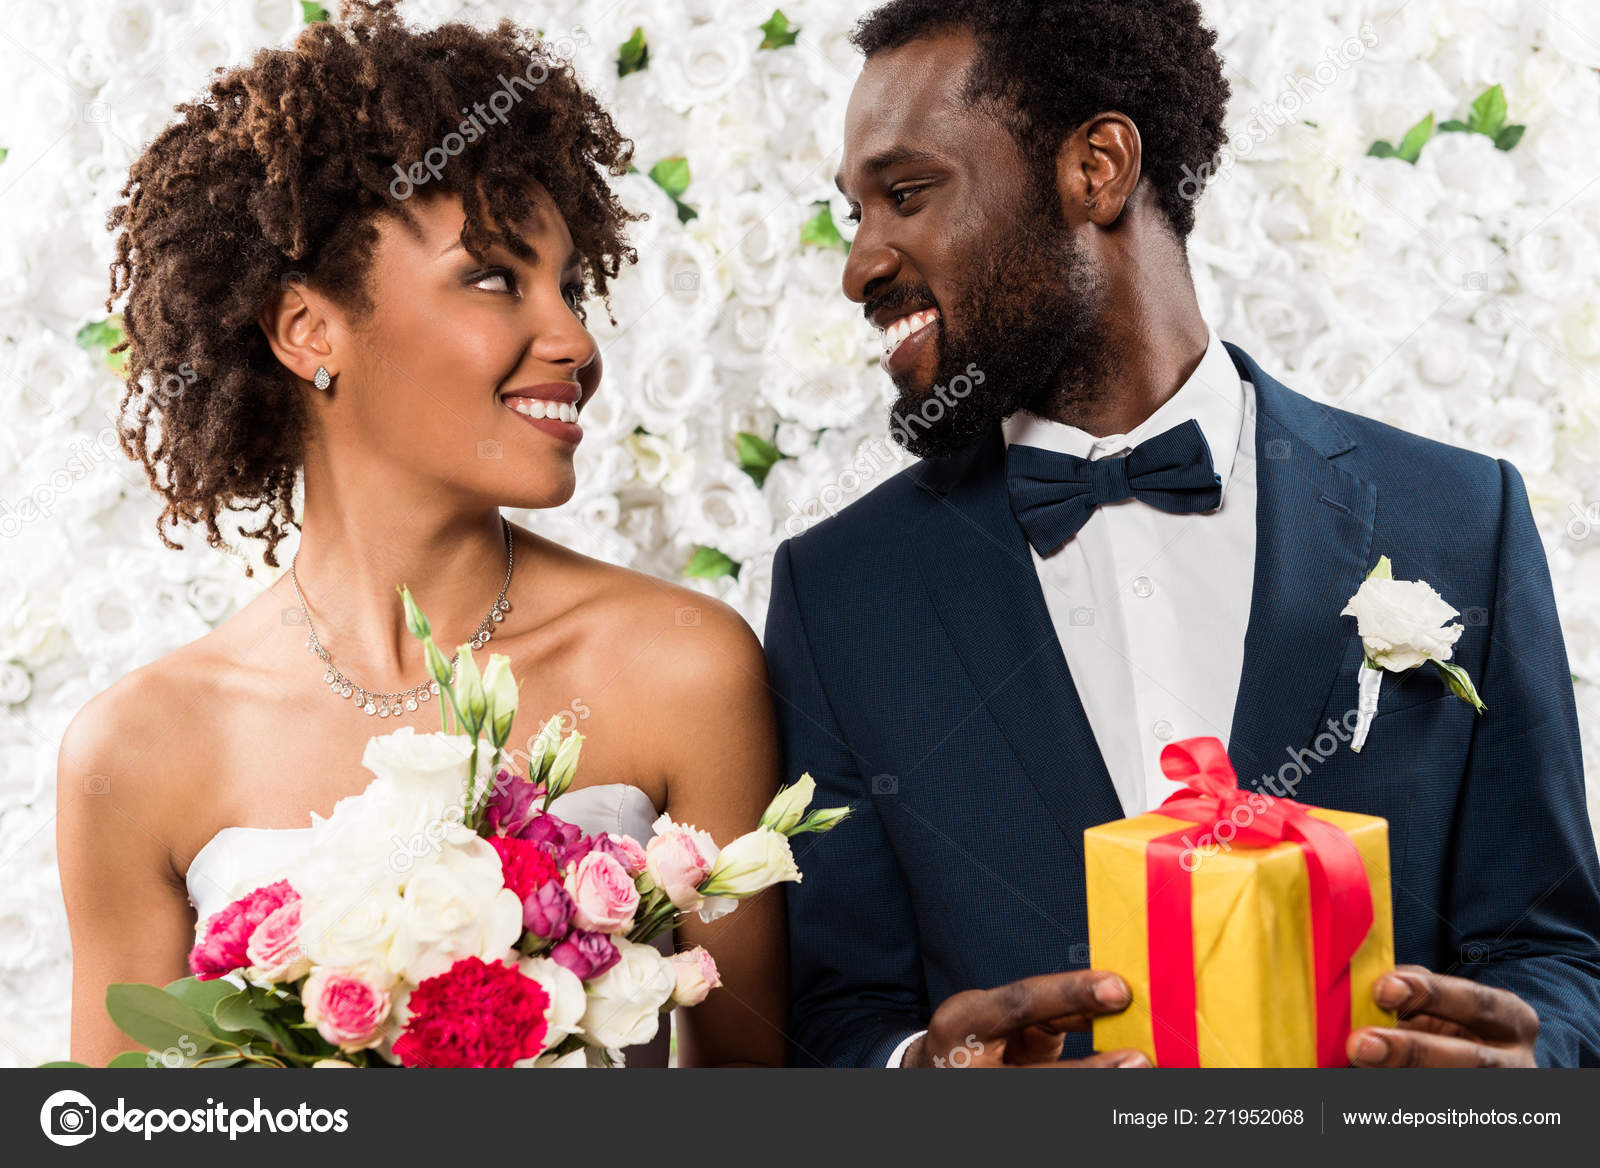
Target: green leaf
(633, 54)
(313, 12)
(1489, 111)
(62, 1064)
(756, 455)
(202, 995)
(708, 563)
(1460, 684)
(237, 1014)
(671, 175)
(3, 153)
(137, 1059)
(1454, 126)
(1508, 137)
(156, 1018)
(820, 230)
(1382, 570)
(1380, 149)
(779, 32)
(685, 212)
(1416, 138)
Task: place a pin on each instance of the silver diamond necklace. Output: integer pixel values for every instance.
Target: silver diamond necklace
(385, 705)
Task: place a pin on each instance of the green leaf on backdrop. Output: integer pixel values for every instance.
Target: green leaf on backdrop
(101, 336)
(779, 33)
(756, 455)
(1488, 112)
(820, 230)
(708, 563)
(313, 12)
(1410, 148)
(671, 175)
(633, 54)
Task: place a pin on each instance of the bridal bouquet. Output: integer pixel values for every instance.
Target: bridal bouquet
(443, 917)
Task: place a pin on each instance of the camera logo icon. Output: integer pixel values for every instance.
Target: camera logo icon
(68, 1118)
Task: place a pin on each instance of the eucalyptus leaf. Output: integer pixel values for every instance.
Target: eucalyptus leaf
(238, 1014)
(134, 1059)
(63, 1064)
(156, 1018)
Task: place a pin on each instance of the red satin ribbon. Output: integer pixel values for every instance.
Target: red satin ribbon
(1341, 897)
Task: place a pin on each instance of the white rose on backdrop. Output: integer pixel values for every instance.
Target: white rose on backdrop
(624, 1006)
(702, 66)
(726, 510)
(1548, 260)
(673, 386)
(1514, 429)
(746, 335)
(1477, 177)
(1571, 27)
(660, 461)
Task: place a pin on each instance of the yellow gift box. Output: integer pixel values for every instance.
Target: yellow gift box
(1254, 985)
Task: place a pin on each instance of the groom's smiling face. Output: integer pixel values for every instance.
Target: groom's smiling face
(962, 255)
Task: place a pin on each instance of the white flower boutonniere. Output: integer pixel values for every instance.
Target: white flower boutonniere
(1401, 625)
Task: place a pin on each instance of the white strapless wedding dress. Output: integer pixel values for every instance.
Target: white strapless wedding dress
(233, 861)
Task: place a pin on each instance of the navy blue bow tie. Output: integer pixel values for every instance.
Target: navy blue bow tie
(1053, 494)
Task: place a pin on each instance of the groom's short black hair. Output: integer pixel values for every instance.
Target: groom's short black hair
(1055, 64)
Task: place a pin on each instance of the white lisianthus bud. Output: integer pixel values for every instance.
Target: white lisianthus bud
(565, 764)
(415, 620)
(756, 860)
(500, 689)
(822, 819)
(789, 805)
(469, 690)
(542, 750)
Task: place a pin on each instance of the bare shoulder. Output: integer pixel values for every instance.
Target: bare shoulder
(124, 758)
(669, 637)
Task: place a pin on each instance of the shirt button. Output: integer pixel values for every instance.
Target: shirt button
(1143, 586)
(1162, 730)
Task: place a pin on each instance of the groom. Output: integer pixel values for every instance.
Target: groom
(985, 656)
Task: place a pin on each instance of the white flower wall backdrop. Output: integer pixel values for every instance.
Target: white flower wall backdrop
(1449, 291)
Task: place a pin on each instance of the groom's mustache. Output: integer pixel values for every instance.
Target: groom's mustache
(898, 302)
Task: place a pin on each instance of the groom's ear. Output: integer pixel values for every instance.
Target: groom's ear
(1098, 169)
(296, 325)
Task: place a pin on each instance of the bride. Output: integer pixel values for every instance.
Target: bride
(417, 351)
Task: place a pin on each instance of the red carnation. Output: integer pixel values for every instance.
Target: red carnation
(474, 1014)
(525, 864)
(225, 936)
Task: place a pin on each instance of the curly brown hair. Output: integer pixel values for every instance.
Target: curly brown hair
(275, 176)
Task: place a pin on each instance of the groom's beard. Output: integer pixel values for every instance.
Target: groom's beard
(1029, 323)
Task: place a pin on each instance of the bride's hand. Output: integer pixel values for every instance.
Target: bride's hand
(1023, 1023)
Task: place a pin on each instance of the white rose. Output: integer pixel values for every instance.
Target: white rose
(455, 906)
(429, 764)
(564, 1016)
(624, 1006)
(675, 385)
(353, 927)
(1399, 622)
(704, 65)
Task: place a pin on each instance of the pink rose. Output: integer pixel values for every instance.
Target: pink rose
(346, 1008)
(678, 858)
(696, 975)
(223, 938)
(603, 895)
(625, 848)
(274, 949)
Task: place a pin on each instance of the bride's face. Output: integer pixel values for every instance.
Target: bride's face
(457, 353)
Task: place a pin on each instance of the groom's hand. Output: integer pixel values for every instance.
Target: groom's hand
(1445, 1022)
(1023, 1023)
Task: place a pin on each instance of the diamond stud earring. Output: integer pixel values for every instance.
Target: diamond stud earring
(322, 380)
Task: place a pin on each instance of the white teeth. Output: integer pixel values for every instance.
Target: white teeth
(560, 411)
(904, 327)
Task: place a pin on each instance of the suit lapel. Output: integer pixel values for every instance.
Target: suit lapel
(1313, 548)
(980, 575)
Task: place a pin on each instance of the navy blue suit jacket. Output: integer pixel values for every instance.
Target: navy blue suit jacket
(919, 680)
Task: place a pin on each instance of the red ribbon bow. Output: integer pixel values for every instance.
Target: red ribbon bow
(1341, 897)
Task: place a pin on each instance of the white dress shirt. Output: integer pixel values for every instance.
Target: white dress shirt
(1150, 607)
